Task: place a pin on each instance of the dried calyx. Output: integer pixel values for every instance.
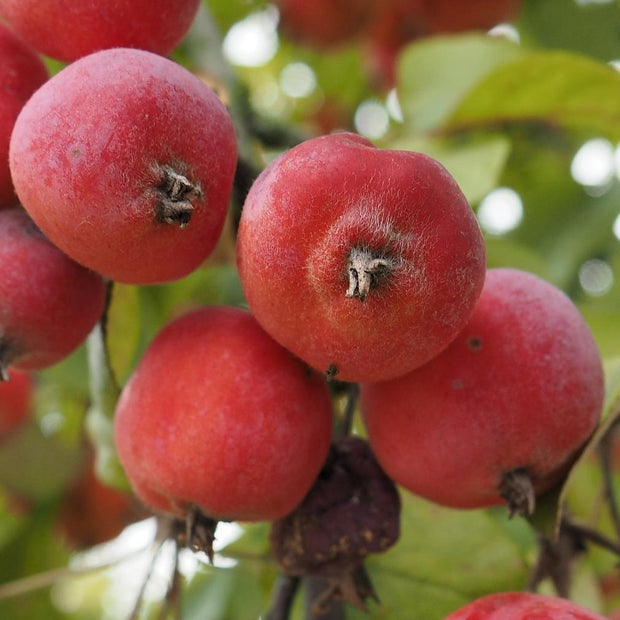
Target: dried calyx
(517, 488)
(176, 195)
(366, 269)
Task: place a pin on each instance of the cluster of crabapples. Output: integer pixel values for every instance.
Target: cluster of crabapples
(360, 265)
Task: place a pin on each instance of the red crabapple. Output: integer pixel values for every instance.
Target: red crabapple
(48, 303)
(522, 606)
(324, 23)
(21, 73)
(364, 262)
(15, 401)
(68, 29)
(503, 410)
(398, 22)
(125, 160)
(218, 416)
(450, 15)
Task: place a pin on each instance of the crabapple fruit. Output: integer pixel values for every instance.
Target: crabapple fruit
(218, 416)
(364, 262)
(21, 73)
(69, 29)
(445, 16)
(522, 606)
(15, 401)
(125, 160)
(503, 411)
(324, 23)
(399, 22)
(49, 303)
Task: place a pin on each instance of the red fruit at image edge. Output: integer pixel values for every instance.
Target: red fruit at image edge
(15, 401)
(522, 606)
(21, 73)
(69, 29)
(218, 416)
(364, 262)
(125, 160)
(520, 389)
(49, 303)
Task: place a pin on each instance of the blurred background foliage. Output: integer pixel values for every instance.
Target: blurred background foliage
(527, 118)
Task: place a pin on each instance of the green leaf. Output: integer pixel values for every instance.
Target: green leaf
(436, 73)
(589, 28)
(447, 557)
(123, 329)
(552, 90)
(510, 253)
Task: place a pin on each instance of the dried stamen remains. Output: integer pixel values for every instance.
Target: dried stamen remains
(176, 193)
(366, 269)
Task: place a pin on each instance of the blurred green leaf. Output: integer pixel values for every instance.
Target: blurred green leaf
(587, 27)
(435, 74)
(123, 329)
(555, 90)
(509, 253)
(446, 557)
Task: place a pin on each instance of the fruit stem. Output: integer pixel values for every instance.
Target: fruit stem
(176, 193)
(517, 489)
(346, 421)
(366, 270)
(200, 532)
(283, 597)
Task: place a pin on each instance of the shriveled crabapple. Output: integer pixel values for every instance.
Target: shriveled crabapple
(522, 606)
(69, 29)
(21, 73)
(364, 262)
(502, 413)
(48, 303)
(220, 421)
(125, 160)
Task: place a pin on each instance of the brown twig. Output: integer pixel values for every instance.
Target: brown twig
(606, 457)
(283, 597)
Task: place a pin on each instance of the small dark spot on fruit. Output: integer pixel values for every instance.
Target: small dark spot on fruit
(332, 371)
(474, 343)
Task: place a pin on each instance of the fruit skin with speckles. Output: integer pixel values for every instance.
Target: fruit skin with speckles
(21, 73)
(218, 416)
(15, 401)
(522, 606)
(49, 303)
(125, 160)
(521, 388)
(69, 29)
(364, 262)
